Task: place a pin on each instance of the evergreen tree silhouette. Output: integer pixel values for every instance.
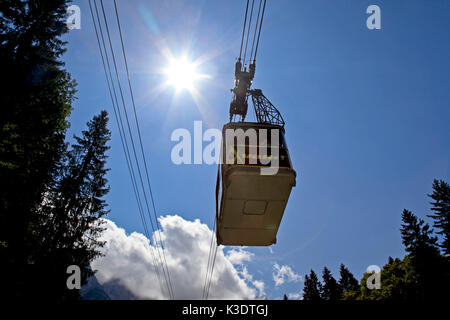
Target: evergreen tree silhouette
(330, 289)
(441, 212)
(312, 287)
(36, 94)
(71, 214)
(429, 266)
(347, 282)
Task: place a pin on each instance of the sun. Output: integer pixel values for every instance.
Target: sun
(182, 74)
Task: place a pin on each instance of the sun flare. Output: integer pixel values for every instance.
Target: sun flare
(182, 74)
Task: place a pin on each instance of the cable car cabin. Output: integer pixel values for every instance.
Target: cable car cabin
(254, 182)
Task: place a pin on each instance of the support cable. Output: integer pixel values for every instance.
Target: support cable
(141, 145)
(256, 29)
(209, 260)
(212, 272)
(243, 30)
(132, 143)
(260, 25)
(248, 31)
(120, 127)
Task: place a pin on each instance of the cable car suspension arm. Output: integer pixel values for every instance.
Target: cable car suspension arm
(265, 111)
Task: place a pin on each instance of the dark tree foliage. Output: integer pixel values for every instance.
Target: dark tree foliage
(312, 287)
(285, 297)
(50, 198)
(36, 94)
(348, 283)
(331, 289)
(69, 215)
(397, 282)
(424, 273)
(441, 212)
(417, 235)
(430, 279)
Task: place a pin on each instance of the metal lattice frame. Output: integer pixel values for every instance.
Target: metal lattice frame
(265, 111)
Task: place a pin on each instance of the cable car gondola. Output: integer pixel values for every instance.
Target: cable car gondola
(255, 176)
(250, 204)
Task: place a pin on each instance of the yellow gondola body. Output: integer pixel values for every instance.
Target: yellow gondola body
(249, 204)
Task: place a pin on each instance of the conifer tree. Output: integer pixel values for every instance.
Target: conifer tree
(312, 287)
(429, 266)
(330, 289)
(36, 94)
(441, 212)
(71, 214)
(347, 282)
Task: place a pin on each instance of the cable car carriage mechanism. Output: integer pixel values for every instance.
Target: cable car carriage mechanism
(255, 176)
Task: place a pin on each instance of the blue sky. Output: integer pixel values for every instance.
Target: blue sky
(367, 116)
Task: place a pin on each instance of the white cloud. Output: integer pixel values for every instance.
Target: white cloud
(239, 256)
(284, 274)
(294, 296)
(128, 259)
(256, 283)
(260, 286)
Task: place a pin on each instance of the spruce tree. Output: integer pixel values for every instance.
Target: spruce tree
(71, 213)
(312, 287)
(441, 212)
(330, 290)
(347, 282)
(36, 94)
(429, 266)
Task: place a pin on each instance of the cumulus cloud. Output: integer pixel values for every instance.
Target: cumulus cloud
(238, 256)
(282, 274)
(294, 296)
(130, 260)
(260, 286)
(256, 283)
